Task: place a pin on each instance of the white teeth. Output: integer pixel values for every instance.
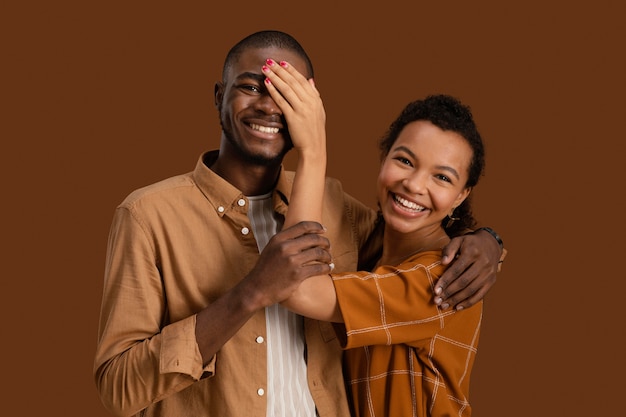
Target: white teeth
(264, 129)
(408, 204)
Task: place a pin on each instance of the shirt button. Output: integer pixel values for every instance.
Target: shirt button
(260, 391)
(241, 202)
(259, 339)
(220, 209)
(245, 231)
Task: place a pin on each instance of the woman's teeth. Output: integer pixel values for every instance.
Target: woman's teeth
(408, 204)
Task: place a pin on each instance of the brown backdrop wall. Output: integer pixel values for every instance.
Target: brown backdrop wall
(99, 99)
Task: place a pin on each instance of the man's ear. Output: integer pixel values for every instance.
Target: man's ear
(219, 94)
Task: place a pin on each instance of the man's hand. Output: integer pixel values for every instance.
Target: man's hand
(474, 259)
(291, 256)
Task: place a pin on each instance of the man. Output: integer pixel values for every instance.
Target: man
(196, 264)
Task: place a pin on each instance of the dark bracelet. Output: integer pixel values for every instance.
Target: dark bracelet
(492, 233)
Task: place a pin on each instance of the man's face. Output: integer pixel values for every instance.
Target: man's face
(251, 121)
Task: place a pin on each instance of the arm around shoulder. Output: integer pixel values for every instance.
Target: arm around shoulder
(474, 260)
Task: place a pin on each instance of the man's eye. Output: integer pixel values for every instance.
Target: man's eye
(250, 88)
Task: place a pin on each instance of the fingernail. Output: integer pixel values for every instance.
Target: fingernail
(332, 266)
(444, 306)
(438, 290)
(438, 300)
(283, 64)
(267, 81)
(459, 308)
(265, 68)
(269, 62)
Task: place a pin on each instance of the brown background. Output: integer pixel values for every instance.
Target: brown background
(100, 98)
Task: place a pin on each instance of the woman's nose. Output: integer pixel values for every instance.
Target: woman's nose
(414, 183)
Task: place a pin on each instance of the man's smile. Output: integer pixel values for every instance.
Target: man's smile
(264, 129)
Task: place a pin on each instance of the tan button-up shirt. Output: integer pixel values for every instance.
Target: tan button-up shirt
(174, 247)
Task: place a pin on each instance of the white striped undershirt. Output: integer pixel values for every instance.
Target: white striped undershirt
(288, 392)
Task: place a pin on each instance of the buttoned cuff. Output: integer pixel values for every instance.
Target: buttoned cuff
(180, 352)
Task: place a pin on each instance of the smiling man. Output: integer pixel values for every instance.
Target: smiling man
(197, 264)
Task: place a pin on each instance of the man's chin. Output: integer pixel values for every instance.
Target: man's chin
(265, 159)
(263, 155)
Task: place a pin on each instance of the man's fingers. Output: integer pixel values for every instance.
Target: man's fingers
(302, 228)
(467, 290)
(450, 277)
(470, 301)
(450, 251)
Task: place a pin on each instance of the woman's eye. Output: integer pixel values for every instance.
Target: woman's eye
(403, 160)
(444, 178)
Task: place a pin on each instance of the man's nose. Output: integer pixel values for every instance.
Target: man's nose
(266, 104)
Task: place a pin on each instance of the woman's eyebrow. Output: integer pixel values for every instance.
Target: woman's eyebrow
(442, 167)
(449, 169)
(405, 149)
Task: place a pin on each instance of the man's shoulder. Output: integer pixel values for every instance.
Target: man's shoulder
(160, 190)
(333, 185)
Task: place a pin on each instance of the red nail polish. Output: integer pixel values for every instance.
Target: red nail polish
(283, 64)
(267, 81)
(265, 68)
(269, 61)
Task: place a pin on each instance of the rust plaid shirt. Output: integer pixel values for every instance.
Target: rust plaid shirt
(405, 356)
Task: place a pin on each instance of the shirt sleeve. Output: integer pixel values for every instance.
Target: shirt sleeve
(391, 305)
(138, 360)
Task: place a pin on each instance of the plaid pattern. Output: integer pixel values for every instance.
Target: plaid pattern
(405, 356)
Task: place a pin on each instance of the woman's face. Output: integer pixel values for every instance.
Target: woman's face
(423, 177)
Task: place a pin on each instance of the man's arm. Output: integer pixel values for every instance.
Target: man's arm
(474, 260)
(292, 255)
(140, 361)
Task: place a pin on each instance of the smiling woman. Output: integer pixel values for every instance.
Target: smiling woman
(405, 355)
(421, 181)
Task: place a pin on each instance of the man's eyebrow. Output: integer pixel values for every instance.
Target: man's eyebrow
(251, 75)
(442, 167)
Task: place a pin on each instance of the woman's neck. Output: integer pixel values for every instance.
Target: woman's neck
(399, 246)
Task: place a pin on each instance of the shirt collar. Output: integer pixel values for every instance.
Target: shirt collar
(225, 197)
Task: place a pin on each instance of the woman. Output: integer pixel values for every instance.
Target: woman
(404, 354)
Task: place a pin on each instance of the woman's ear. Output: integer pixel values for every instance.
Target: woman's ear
(462, 196)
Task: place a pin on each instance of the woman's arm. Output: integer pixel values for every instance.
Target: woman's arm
(303, 109)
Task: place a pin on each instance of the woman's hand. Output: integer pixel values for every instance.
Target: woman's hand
(302, 106)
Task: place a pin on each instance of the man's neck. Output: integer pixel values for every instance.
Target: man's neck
(251, 179)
